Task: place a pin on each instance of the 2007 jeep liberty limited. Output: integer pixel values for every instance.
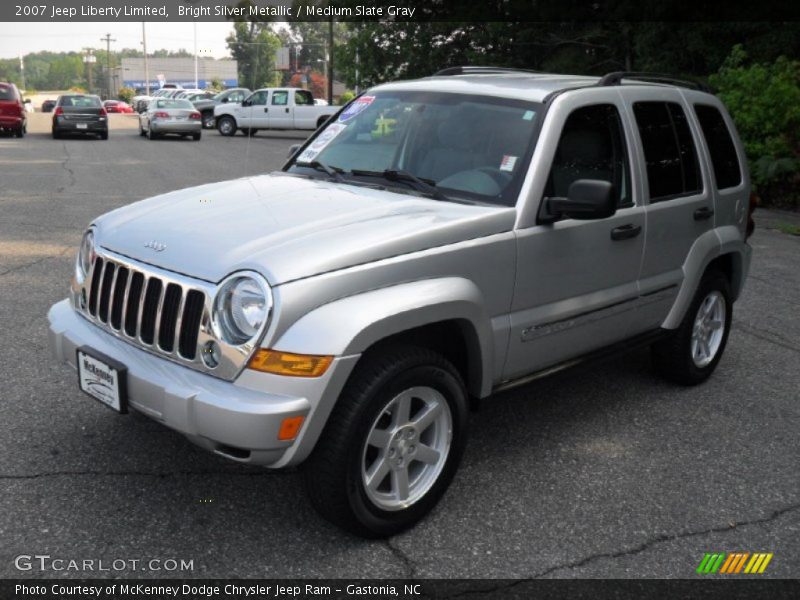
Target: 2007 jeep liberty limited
(437, 240)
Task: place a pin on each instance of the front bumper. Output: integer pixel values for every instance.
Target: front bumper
(239, 420)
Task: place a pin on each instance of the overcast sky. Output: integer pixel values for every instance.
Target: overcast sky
(16, 38)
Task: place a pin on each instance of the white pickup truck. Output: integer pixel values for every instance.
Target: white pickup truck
(272, 108)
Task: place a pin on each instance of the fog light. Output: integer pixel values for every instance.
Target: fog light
(211, 354)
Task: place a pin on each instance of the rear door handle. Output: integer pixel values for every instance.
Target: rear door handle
(626, 232)
(701, 214)
(266, 109)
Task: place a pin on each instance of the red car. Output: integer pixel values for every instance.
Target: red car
(117, 106)
(12, 111)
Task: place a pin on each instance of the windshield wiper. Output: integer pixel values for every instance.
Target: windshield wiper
(332, 172)
(426, 186)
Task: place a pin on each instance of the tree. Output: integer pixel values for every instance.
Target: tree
(254, 45)
(764, 101)
(316, 83)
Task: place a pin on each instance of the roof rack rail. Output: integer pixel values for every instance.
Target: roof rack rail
(616, 78)
(467, 70)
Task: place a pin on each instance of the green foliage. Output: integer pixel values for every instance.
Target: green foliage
(216, 84)
(346, 97)
(254, 45)
(126, 94)
(764, 101)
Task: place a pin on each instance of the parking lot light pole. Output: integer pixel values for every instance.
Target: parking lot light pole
(146, 69)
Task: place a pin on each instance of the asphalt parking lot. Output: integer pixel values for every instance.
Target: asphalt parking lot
(602, 471)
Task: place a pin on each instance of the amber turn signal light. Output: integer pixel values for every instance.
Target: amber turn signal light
(285, 363)
(290, 427)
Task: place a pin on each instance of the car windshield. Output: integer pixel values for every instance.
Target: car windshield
(456, 145)
(174, 103)
(81, 101)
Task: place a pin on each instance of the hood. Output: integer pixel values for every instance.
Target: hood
(287, 227)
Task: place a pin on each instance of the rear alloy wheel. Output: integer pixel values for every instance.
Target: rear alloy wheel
(691, 353)
(226, 126)
(392, 444)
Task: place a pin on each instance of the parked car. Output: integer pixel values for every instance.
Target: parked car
(170, 116)
(320, 102)
(344, 312)
(80, 113)
(140, 103)
(272, 108)
(48, 106)
(117, 106)
(206, 107)
(13, 116)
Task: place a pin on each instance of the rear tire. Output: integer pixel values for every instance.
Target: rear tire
(226, 126)
(104, 135)
(141, 130)
(208, 120)
(56, 134)
(150, 135)
(20, 133)
(377, 430)
(196, 137)
(691, 353)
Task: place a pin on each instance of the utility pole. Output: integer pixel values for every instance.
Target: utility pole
(89, 58)
(330, 61)
(22, 71)
(196, 81)
(146, 69)
(108, 39)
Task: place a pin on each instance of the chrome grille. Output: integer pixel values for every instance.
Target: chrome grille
(161, 315)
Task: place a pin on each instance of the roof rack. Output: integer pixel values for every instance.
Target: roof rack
(479, 70)
(616, 78)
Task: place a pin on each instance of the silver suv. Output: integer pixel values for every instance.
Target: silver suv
(435, 242)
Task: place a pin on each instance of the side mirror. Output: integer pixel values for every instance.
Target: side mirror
(586, 199)
(246, 102)
(293, 150)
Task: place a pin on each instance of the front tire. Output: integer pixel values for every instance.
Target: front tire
(226, 126)
(691, 353)
(392, 444)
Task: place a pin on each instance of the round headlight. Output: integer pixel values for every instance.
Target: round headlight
(241, 308)
(85, 255)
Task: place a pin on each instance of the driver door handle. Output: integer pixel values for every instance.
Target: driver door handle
(266, 109)
(625, 232)
(701, 214)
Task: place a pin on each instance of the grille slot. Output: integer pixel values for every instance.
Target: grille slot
(152, 298)
(169, 317)
(190, 323)
(118, 299)
(105, 291)
(161, 313)
(134, 299)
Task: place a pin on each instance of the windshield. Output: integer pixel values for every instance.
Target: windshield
(468, 147)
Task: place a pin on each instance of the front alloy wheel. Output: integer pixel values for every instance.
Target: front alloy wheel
(392, 443)
(709, 326)
(406, 448)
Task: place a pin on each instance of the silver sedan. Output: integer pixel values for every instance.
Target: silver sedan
(170, 116)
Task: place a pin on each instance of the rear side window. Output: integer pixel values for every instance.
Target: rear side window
(669, 150)
(720, 146)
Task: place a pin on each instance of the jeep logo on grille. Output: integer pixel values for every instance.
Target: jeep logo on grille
(157, 246)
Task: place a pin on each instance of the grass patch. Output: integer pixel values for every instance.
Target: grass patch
(788, 228)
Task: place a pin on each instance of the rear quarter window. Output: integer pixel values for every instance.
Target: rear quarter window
(720, 144)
